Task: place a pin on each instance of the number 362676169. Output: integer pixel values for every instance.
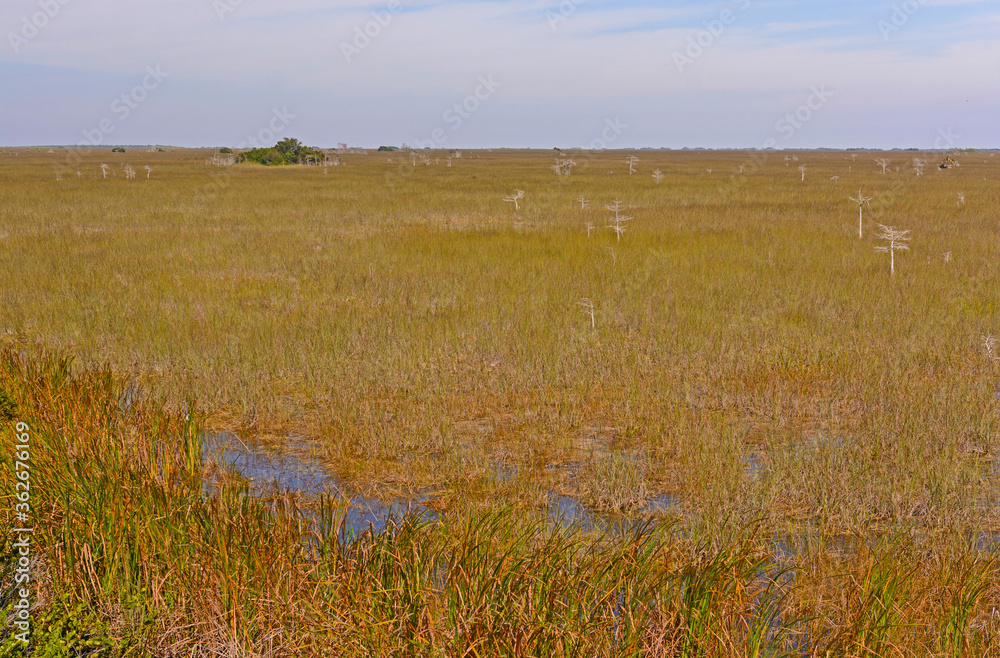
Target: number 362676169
(22, 472)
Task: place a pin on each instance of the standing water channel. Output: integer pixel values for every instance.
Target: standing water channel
(294, 472)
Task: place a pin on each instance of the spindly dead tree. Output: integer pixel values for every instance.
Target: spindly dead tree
(802, 169)
(657, 176)
(884, 163)
(897, 242)
(861, 201)
(584, 204)
(515, 198)
(619, 220)
(632, 162)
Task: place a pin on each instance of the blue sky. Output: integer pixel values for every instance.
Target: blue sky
(518, 73)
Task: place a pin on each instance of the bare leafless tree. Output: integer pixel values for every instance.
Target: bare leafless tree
(619, 221)
(897, 242)
(515, 198)
(861, 201)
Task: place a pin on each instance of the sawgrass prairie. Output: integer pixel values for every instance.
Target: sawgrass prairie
(737, 360)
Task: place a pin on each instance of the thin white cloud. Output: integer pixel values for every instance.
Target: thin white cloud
(778, 28)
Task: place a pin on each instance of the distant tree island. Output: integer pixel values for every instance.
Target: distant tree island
(286, 152)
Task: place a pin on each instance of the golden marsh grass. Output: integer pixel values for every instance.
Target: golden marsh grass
(749, 356)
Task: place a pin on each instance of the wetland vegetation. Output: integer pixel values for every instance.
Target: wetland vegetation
(781, 447)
